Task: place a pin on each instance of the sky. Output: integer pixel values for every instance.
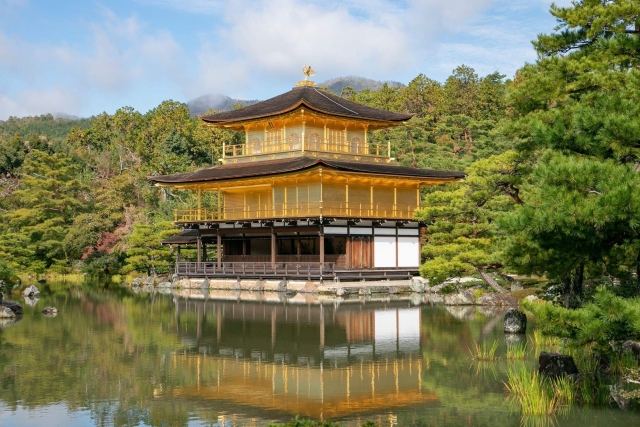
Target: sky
(86, 57)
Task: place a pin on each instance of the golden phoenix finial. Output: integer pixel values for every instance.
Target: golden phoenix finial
(308, 72)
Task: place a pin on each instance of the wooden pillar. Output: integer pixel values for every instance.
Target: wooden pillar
(178, 254)
(244, 246)
(298, 246)
(397, 249)
(199, 251)
(219, 249)
(348, 252)
(204, 252)
(322, 328)
(273, 248)
(321, 247)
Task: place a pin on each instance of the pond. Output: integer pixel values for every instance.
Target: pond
(114, 357)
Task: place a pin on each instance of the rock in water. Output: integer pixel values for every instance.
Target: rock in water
(461, 298)
(50, 311)
(515, 321)
(16, 307)
(31, 292)
(556, 365)
(6, 313)
(494, 299)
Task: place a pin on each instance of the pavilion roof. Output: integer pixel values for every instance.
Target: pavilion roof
(311, 98)
(279, 166)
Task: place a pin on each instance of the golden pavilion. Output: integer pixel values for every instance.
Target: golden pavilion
(306, 196)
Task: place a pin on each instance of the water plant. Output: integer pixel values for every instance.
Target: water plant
(621, 363)
(541, 340)
(516, 351)
(484, 352)
(535, 395)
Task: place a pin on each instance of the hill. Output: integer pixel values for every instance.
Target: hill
(357, 83)
(199, 105)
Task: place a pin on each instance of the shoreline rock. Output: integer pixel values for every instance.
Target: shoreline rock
(515, 321)
(556, 365)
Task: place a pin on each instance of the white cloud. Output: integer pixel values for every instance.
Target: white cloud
(271, 40)
(122, 54)
(36, 102)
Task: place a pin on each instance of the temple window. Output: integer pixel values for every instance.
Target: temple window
(314, 142)
(294, 141)
(356, 147)
(255, 146)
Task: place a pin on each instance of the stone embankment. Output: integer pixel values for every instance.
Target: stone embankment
(362, 289)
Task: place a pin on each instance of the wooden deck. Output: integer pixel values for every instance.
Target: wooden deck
(288, 271)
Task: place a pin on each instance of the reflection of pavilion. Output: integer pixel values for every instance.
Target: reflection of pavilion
(314, 360)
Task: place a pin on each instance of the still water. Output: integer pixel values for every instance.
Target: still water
(113, 357)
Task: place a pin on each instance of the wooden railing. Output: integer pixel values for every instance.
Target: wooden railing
(308, 144)
(211, 269)
(288, 210)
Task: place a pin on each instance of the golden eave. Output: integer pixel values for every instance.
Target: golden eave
(302, 110)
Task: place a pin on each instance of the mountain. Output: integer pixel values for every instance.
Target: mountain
(199, 105)
(357, 83)
(64, 116)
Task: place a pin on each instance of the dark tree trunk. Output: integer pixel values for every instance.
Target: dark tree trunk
(638, 273)
(572, 287)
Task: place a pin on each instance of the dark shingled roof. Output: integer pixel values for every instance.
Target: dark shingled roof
(313, 99)
(279, 166)
(187, 237)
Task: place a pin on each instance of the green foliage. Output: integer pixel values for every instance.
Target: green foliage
(604, 323)
(484, 352)
(577, 109)
(145, 253)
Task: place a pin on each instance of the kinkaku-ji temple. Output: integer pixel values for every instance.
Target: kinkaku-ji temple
(307, 196)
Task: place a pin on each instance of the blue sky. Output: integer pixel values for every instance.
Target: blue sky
(86, 57)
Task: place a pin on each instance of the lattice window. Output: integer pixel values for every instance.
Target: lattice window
(255, 146)
(336, 140)
(273, 140)
(294, 141)
(356, 146)
(314, 142)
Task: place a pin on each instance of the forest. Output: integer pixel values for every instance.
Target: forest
(551, 156)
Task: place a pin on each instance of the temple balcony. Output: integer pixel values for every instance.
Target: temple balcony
(300, 210)
(314, 146)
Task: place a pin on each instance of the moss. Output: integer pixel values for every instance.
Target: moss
(523, 293)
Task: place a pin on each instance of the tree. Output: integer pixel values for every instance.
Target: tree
(462, 236)
(145, 253)
(577, 106)
(46, 202)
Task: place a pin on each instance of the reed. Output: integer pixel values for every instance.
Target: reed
(535, 394)
(516, 351)
(541, 340)
(623, 362)
(484, 352)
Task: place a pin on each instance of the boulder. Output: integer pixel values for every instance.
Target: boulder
(206, 284)
(161, 279)
(50, 311)
(165, 285)
(260, 284)
(341, 292)
(418, 284)
(31, 291)
(515, 321)
(310, 287)
(460, 298)
(282, 286)
(632, 346)
(499, 300)
(393, 290)
(531, 298)
(16, 307)
(6, 313)
(365, 292)
(556, 365)
(437, 289)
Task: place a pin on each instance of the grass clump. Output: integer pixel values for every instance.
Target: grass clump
(484, 352)
(535, 395)
(516, 351)
(539, 339)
